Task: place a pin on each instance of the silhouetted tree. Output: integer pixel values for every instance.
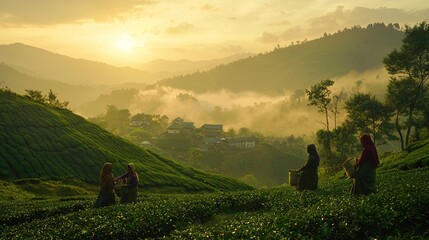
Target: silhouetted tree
(335, 106)
(50, 99)
(367, 114)
(35, 95)
(320, 96)
(410, 64)
(398, 98)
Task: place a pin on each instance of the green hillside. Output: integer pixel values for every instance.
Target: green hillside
(38, 141)
(415, 156)
(299, 66)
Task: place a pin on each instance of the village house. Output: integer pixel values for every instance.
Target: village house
(184, 128)
(212, 133)
(242, 142)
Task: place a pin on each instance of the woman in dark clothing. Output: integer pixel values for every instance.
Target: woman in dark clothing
(106, 196)
(131, 180)
(308, 178)
(364, 181)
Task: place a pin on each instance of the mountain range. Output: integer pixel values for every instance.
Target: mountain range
(284, 69)
(298, 66)
(45, 64)
(185, 66)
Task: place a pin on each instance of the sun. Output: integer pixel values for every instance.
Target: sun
(125, 43)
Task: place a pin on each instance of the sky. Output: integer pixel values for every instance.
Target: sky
(132, 32)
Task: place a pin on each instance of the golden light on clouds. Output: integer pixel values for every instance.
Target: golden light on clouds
(132, 32)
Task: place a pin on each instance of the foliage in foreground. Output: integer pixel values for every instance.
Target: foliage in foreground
(400, 209)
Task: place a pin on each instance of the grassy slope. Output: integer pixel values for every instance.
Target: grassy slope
(415, 156)
(37, 141)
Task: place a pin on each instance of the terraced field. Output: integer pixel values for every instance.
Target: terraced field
(39, 141)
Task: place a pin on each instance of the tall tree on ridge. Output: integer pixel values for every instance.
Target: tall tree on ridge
(409, 65)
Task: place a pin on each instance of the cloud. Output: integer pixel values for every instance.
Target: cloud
(47, 12)
(268, 38)
(275, 116)
(232, 49)
(208, 7)
(181, 28)
(341, 18)
(260, 113)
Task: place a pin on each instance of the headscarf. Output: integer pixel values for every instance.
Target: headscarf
(106, 170)
(313, 158)
(311, 149)
(133, 169)
(368, 148)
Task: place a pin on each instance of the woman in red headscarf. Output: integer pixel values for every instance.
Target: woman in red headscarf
(364, 181)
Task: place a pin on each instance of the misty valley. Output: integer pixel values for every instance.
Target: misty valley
(209, 147)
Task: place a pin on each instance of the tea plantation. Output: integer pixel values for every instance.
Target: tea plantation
(40, 141)
(400, 210)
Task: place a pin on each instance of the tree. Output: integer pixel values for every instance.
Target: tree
(35, 95)
(231, 133)
(115, 118)
(398, 96)
(367, 114)
(335, 106)
(344, 140)
(50, 99)
(411, 63)
(244, 132)
(319, 96)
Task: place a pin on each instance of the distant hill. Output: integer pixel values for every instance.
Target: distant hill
(38, 141)
(76, 94)
(185, 66)
(298, 66)
(44, 64)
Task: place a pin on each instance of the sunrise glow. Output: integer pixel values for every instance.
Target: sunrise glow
(125, 43)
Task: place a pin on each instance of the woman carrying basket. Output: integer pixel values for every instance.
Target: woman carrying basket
(308, 178)
(364, 177)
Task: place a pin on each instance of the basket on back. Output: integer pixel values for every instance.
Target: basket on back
(293, 177)
(349, 168)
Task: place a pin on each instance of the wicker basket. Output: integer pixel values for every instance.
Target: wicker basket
(349, 167)
(293, 177)
(120, 189)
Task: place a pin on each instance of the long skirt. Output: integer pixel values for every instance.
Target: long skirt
(364, 181)
(105, 198)
(129, 195)
(308, 179)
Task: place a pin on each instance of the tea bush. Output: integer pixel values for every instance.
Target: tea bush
(400, 209)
